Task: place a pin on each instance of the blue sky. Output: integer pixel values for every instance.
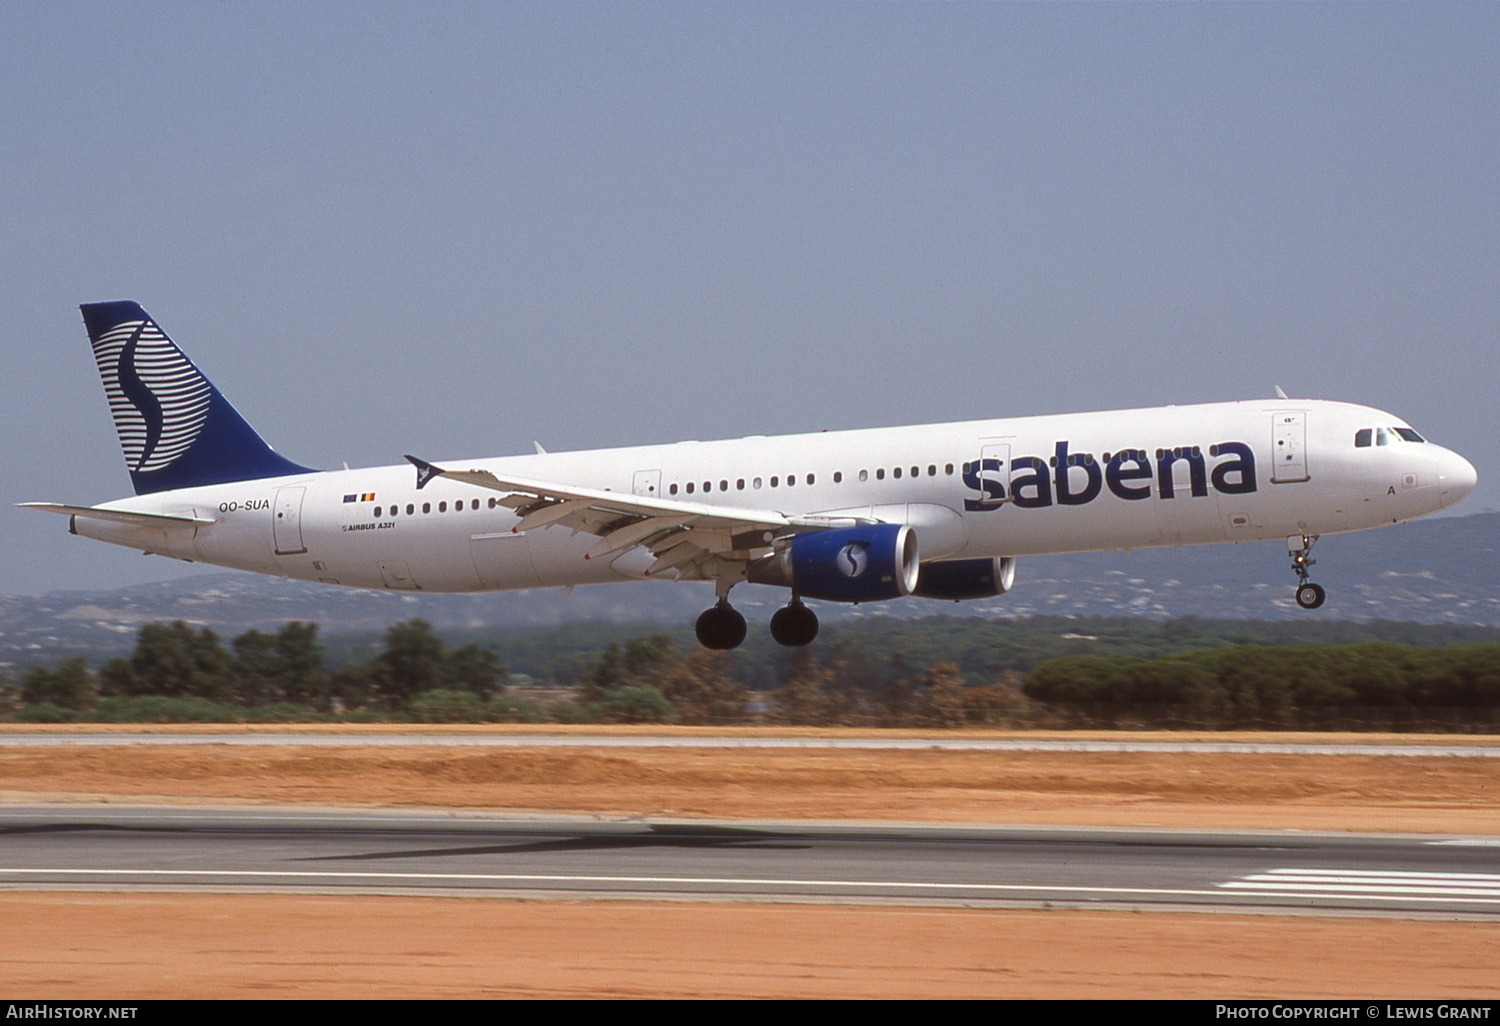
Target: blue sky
(452, 228)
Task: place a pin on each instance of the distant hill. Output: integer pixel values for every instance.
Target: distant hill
(1444, 570)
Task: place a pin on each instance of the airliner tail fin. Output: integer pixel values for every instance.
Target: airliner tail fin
(176, 429)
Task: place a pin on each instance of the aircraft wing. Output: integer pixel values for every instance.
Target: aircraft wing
(118, 515)
(681, 535)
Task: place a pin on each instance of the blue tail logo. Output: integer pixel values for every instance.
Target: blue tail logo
(176, 429)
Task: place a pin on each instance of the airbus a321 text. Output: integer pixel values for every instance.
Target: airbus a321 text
(939, 511)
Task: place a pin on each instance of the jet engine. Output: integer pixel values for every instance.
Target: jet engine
(849, 564)
(959, 579)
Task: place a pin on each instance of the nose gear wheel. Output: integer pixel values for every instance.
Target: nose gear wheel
(1309, 595)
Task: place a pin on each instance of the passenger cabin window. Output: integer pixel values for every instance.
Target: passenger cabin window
(864, 475)
(880, 474)
(442, 507)
(672, 489)
(838, 477)
(1362, 438)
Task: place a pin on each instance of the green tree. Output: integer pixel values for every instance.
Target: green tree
(283, 667)
(623, 666)
(172, 660)
(300, 673)
(255, 668)
(413, 662)
(635, 704)
(70, 686)
(476, 670)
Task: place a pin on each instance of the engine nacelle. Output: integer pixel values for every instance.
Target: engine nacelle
(850, 564)
(959, 579)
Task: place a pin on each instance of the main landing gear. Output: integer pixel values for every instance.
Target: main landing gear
(1299, 547)
(722, 627)
(794, 625)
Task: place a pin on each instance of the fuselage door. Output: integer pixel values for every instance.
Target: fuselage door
(287, 523)
(988, 478)
(647, 483)
(1288, 446)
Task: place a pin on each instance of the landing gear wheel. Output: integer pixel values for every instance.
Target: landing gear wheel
(1310, 596)
(720, 628)
(794, 625)
(1299, 547)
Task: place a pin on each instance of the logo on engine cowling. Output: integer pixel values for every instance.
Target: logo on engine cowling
(853, 559)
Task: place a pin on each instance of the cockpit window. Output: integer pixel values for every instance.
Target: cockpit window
(1409, 434)
(1362, 438)
(1382, 436)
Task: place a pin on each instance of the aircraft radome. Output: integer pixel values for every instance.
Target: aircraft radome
(938, 511)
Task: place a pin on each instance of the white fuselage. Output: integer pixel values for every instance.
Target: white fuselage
(1179, 475)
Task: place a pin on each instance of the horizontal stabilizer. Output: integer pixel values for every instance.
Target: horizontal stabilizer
(119, 516)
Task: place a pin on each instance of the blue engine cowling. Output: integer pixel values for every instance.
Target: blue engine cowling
(958, 579)
(850, 564)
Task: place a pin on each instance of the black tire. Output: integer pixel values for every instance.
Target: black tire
(794, 626)
(1311, 596)
(720, 628)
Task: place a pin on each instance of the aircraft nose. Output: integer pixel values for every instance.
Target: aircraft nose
(1457, 477)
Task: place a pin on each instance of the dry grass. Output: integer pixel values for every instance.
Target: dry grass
(1231, 790)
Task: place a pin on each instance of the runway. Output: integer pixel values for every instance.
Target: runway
(360, 851)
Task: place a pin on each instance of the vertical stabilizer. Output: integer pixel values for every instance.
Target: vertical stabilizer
(176, 429)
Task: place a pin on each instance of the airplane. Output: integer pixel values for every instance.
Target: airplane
(936, 511)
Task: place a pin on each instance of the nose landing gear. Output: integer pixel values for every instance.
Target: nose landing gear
(1299, 547)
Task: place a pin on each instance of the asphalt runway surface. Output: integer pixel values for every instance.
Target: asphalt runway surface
(368, 851)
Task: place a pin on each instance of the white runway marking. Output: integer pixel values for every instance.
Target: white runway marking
(1483, 888)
